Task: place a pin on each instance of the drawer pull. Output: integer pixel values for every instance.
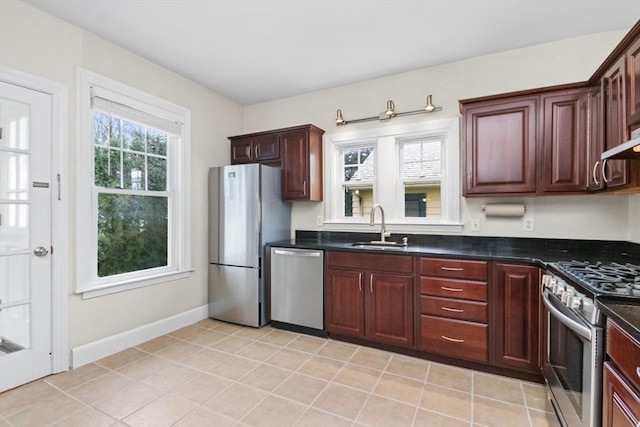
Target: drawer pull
(638, 371)
(445, 288)
(452, 268)
(455, 310)
(451, 339)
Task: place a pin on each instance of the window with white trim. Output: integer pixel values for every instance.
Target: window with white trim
(415, 176)
(133, 187)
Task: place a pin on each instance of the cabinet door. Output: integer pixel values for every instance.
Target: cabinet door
(564, 142)
(344, 302)
(596, 140)
(620, 402)
(633, 91)
(389, 308)
(295, 165)
(500, 144)
(615, 118)
(266, 147)
(516, 305)
(241, 151)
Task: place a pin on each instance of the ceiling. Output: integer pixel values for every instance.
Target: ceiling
(253, 51)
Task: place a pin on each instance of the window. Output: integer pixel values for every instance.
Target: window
(411, 170)
(133, 182)
(358, 172)
(421, 172)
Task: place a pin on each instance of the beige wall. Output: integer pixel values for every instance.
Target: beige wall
(37, 43)
(566, 61)
(634, 218)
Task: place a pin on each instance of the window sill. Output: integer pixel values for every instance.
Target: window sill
(135, 284)
(395, 227)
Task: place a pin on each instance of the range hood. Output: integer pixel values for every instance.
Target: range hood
(628, 150)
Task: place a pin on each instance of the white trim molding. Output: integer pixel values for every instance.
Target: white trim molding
(60, 201)
(96, 350)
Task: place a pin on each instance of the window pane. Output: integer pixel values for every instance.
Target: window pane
(116, 134)
(156, 142)
(132, 233)
(422, 200)
(107, 167)
(157, 175)
(422, 159)
(359, 163)
(133, 136)
(134, 171)
(100, 128)
(358, 201)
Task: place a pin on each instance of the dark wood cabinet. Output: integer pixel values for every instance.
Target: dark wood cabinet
(344, 302)
(564, 141)
(370, 296)
(530, 142)
(633, 89)
(516, 316)
(614, 88)
(500, 146)
(298, 150)
(621, 379)
(595, 139)
(302, 164)
(620, 403)
(254, 149)
(453, 308)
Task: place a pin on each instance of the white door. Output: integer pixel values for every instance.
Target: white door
(25, 235)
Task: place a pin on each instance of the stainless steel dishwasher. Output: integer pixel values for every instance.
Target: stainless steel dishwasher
(297, 301)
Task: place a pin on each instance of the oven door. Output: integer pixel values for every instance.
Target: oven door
(573, 364)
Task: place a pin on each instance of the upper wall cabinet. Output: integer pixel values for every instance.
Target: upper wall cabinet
(297, 149)
(526, 143)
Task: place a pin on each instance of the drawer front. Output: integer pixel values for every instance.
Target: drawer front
(455, 268)
(458, 289)
(370, 262)
(454, 308)
(624, 350)
(458, 338)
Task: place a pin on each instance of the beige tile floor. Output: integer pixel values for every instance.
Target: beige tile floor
(217, 374)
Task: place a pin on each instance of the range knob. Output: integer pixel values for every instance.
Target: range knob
(576, 302)
(567, 297)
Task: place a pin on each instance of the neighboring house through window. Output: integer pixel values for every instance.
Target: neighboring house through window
(133, 187)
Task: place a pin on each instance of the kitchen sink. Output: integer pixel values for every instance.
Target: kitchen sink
(387, 246)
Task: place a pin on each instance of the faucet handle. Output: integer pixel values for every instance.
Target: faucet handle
(405, 241)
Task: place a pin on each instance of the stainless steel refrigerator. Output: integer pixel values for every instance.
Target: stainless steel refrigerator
(245, 212)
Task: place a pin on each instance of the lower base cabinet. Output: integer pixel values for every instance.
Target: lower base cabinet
(363, 300)
(621, 404)
(516, 316)
(477, 311)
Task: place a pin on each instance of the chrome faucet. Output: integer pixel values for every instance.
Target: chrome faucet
(383, 234)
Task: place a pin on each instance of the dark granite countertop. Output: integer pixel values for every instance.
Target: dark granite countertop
(624, 313)
(533, 251)
(522, 250)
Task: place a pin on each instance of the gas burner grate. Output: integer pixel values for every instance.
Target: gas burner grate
(610, 278)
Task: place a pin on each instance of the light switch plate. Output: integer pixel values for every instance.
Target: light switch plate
(475, 224)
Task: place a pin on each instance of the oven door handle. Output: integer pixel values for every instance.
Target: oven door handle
(576, 327)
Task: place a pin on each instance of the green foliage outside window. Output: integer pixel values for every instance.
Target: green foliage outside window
(132, 228)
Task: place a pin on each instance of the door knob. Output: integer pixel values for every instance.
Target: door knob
(40, 251)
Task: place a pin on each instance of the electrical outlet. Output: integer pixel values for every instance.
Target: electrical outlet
(319, 221)
(527, 224)
(475, 224)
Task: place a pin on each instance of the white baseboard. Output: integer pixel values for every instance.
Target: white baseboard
(107, 346)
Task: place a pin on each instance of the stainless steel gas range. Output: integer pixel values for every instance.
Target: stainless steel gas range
(574, 348)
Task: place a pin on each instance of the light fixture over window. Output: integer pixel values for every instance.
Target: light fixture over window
(389, 113)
